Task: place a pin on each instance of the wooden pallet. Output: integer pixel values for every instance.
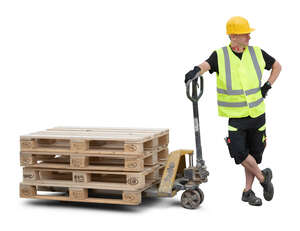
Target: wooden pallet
(109, 162)
(80, 194)
(99, 165)
(129, 181)
(93, 141)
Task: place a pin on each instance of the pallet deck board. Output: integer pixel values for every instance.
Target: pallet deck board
(88, 136)
(158, 131)
(123, 134)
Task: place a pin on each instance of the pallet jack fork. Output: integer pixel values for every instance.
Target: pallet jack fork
(177, 176)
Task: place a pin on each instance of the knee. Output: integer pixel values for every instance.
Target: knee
(252, 159)
(249, 161)
(246, 162)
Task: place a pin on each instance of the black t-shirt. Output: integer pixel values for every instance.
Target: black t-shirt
(213, 61)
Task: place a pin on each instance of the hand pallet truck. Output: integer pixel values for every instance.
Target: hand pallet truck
(177, 176)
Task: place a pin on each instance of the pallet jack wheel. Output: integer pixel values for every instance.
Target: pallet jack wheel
(201, 195)
(191, 199)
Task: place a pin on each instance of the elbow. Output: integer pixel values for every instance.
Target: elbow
(277, 66)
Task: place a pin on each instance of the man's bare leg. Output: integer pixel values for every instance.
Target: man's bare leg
(251, 171)
(250, 165)
(249, 180)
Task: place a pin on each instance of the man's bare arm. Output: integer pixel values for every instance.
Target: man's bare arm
(204, 67)
(276, 69)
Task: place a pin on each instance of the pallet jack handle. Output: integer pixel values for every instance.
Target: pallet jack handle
(195, 98)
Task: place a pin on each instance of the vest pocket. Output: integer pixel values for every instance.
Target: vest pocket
(229, 145)
(262, 131)
(262, 128)
(232, 129)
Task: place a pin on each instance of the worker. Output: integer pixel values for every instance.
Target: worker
(239, 69)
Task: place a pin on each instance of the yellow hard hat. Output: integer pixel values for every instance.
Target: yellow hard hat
(238, 25)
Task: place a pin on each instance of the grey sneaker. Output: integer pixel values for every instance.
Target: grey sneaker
(267, 184)
(250, 197)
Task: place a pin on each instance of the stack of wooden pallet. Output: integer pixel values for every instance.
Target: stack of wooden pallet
(100, 165)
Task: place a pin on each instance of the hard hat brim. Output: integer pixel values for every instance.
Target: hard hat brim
(245, 32)
(251, 30)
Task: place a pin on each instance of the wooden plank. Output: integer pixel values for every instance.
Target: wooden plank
(115, 136)
(112, 129)
(87, 200)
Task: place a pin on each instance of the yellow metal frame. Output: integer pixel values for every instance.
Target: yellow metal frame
(175, 164)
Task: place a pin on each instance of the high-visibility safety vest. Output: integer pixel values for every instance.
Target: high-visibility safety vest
(239, 81)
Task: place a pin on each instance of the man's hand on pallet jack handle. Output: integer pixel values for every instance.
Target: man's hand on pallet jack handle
(191, 74)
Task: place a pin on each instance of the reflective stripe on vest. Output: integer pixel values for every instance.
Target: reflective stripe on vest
(238, 92)
(255, 62)
(229, 90)
(241, 104)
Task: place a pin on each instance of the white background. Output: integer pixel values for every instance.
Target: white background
(122, 64)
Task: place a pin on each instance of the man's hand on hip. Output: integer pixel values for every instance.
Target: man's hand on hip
(265, 88)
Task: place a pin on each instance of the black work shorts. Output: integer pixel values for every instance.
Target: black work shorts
(246, 136)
